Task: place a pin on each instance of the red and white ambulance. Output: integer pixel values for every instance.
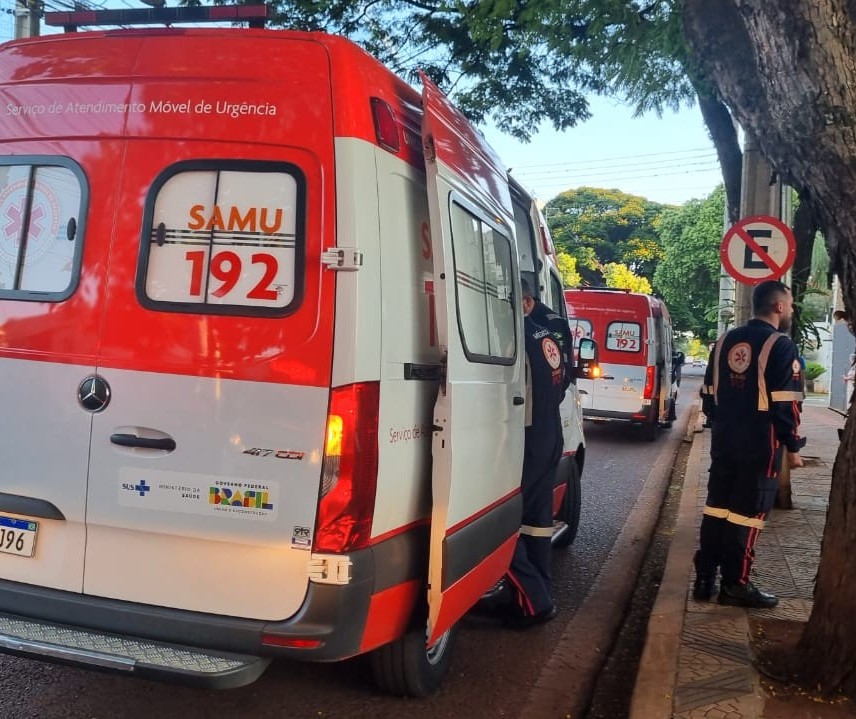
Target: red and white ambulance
(261, 355)
(640, 372)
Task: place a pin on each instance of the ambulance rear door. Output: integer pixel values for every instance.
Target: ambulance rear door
(477, 443)
(50, 307)
(205, 467)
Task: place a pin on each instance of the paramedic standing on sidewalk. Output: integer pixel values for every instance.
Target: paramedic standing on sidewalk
(529, 574)
(751, 394)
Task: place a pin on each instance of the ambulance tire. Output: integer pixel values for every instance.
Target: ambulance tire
(569, 513)
(649, 430)
(406, 668)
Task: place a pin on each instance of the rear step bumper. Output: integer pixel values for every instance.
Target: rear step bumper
(142, 658)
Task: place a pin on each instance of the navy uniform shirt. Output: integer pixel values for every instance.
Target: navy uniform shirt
(544, 378)
(561, 332)
(752, 392)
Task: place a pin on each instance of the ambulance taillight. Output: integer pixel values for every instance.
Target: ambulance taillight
(648, 392)
(349, 471)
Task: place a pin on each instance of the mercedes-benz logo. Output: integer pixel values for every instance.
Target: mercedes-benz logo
(93, 394)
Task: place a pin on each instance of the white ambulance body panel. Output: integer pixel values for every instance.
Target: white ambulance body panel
(44, 456)
(165, 527)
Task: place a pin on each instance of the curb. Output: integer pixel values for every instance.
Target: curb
(565, 685)
(653, 695)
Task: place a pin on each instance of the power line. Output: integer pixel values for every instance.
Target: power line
(701, 160)
(621, 158)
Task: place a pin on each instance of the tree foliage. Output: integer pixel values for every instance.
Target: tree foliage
(498, 60)
(599, 227)
(620, 276)
(688, 276)
(568, 270)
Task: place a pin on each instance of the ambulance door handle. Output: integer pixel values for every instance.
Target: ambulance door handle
(131, 440)
(518, 400)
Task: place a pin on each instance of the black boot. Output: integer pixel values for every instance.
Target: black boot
(746, 595)
(704, 587)
(705, 581)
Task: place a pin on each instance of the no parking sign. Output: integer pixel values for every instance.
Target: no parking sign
(758, 248)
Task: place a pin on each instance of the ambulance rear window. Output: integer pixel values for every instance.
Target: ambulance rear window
(42, 203)
(224, 238)
(579, 329)
(624, 337)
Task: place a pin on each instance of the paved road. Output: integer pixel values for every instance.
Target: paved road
(494, 669)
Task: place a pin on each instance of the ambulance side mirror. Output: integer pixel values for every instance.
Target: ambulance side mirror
(587, 364)
(678, 358)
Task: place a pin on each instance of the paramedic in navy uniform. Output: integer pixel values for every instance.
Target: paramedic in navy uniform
(529, 574)
(561, 331)
(752, 395)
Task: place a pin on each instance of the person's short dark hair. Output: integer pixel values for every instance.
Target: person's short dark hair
(525, 289)
(767, 294)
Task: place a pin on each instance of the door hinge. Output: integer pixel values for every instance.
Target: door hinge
(346, 259)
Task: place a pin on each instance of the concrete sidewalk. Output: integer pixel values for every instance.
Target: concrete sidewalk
(696, 661)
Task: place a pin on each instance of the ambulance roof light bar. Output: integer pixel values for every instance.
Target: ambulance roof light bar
(255, 15)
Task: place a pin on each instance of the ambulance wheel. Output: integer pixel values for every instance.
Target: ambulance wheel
(406, 668)
(649, 430)
(569, 513)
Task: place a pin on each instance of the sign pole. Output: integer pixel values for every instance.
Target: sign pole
(758, 196)
(27, 15)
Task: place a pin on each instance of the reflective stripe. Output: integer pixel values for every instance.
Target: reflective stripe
(745, 521)
(785, 396)
(722, 513)
(536, 531)
(766, 348)
(707, 389)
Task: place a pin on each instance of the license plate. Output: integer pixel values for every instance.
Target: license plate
(18, 536)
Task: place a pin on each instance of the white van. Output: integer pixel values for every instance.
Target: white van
(260, 352)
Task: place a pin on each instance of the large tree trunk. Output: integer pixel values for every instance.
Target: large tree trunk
(723, 132)
(787, 70)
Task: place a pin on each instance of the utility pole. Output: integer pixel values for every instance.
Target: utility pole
(27, 18)
(759, 195)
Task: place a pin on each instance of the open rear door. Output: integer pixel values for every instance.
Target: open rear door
(478, 435)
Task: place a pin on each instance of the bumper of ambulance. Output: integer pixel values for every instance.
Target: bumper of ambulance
(647, 412)
(188, 647)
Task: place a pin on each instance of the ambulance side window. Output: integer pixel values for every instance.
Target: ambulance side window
(483, 287)
(555, 300)
(224, 238)
(42, 206)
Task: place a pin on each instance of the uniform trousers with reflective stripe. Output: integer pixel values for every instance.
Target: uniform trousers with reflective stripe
(529, 573)
(740, 495)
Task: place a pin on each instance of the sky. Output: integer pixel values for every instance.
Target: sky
(668, 160)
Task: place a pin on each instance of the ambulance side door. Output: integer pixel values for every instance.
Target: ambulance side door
(477, 443)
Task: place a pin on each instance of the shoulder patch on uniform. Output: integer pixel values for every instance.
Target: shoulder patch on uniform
(740, 357)
(551, 352)
(796, 367)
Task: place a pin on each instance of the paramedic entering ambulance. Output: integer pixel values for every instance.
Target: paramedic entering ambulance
(529, 575)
